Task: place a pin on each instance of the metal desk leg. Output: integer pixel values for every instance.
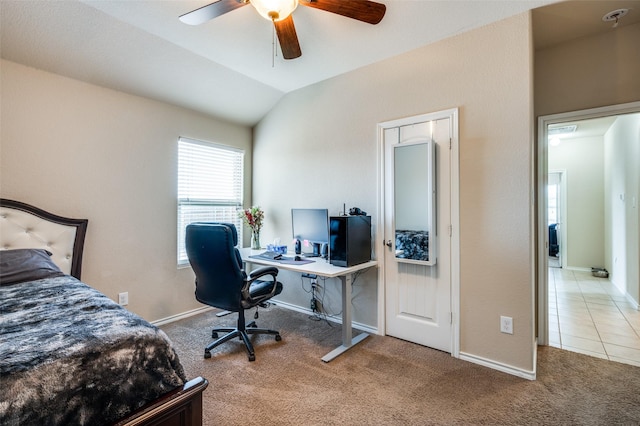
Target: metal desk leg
(347, 340)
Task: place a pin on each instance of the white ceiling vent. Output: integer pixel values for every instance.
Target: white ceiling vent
(562, 130)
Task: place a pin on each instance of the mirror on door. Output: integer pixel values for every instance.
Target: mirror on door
(414, 202)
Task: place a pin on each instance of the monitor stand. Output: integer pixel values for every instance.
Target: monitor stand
(319, 250)
(316, 251)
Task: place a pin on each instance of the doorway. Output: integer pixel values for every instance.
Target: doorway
(419, 275)
(601, 299)
(555, 216)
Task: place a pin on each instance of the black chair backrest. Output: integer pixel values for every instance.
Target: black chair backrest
(216, 263)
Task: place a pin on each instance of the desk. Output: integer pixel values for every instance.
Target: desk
(323, 268)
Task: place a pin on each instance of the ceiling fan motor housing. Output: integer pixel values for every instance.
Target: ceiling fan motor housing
(275, 10)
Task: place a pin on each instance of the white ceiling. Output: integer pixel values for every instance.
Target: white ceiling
(594, 127)
(224, 67)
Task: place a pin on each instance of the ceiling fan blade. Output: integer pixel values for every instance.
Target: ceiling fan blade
(288, 38)
(362, 10)
(210, 11)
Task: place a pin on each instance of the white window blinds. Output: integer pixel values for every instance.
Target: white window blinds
(210, 186)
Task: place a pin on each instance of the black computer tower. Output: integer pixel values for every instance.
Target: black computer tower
(349, 240)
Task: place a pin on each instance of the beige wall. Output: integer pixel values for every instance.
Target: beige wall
(317, 148)
(84, 151)
(588, 72)
(622, 196)
(583, 161)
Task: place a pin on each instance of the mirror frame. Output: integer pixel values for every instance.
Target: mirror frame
(431, 201)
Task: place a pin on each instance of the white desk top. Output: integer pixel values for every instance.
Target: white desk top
(319, 266)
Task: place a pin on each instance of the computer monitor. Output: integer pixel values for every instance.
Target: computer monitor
(311, 227)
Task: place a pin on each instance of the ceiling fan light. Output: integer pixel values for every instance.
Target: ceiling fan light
(275, 10)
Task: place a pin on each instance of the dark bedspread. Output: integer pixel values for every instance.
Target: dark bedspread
(70, 355)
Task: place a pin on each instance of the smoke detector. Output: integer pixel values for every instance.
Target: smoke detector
(614, 16)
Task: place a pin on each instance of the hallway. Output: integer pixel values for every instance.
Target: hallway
(589, 315)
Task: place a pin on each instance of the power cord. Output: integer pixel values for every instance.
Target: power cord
(321, 313)
(317, 293)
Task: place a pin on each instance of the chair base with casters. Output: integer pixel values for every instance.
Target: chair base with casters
(242, 331)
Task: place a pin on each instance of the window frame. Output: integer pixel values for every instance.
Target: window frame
(221, 208)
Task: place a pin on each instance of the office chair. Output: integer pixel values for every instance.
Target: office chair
(222, 283)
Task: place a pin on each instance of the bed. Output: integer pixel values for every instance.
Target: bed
(68, 353)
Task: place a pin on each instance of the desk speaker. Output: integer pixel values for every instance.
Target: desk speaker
(349, 240)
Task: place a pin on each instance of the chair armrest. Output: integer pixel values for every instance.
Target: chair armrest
(264, 271)
(258, 273)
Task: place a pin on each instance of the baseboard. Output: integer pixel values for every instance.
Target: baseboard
(632, 301)
(183, 315)
(627, 296)
(362, 327)
(338, 320)
(529, 375)
(576, 268)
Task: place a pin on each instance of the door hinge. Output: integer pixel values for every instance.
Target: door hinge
(450, 317)
(450, 142)
(450, 230)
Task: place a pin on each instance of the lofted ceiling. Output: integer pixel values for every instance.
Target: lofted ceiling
(226, 67)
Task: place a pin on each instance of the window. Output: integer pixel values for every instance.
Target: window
(210, 186)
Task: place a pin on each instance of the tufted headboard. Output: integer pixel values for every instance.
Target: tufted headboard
(25, 226)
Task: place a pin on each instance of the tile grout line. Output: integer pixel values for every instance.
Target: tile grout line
(573, 283)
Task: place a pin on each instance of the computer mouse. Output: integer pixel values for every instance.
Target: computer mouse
(297, 258)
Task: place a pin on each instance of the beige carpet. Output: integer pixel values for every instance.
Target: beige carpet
(386, 381)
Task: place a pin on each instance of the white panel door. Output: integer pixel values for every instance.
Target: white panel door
(418, 296)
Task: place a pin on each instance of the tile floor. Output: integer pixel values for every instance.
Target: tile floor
(591, 316)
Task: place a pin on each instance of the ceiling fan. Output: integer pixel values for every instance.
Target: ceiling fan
(279, 12)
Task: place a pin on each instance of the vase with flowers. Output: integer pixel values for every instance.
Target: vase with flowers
(253, 218)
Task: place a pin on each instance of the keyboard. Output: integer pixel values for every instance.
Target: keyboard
(270, 255)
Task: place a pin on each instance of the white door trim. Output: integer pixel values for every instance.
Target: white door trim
(562, 237)
(452, 114)
(543, 165)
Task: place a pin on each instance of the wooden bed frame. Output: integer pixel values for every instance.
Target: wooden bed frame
(179, 407)
(26, 226)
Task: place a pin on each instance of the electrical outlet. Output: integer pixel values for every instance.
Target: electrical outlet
(506, 325)
(123, 298)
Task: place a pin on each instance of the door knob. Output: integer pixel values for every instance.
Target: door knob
(389, 243)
